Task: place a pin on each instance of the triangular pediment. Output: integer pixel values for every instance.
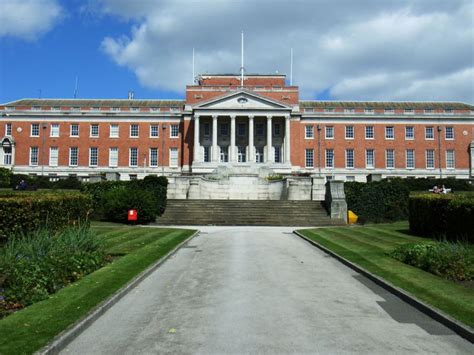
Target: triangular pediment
(242, 100)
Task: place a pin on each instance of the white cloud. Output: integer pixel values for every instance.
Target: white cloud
(28, 19)
(368, 49)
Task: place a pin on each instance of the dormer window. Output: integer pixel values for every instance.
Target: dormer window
(309, 109)
(389, 111)
(134, 109)
(154, 109)
(115, 108)
(349, 110)
(329, 110)
(76, 108)
(174, 109)
(10, 108)
(409, 111)
(369, 110)
(96, 108)
(448, 111)
(36, 108)
(428, 111)
(55, 108)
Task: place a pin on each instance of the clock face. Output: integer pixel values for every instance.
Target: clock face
(242, 100)
(19, 129)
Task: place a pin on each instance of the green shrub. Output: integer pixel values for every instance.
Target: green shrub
(23, 213)
(425, 184)
(449, 217)
(118, 202)
(5, 176)
(40, 263)
(378, 201)
(454, 261)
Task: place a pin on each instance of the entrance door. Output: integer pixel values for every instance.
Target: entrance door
(259, 154)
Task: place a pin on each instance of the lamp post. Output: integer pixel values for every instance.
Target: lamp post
(439, 152)
(163, 127)
(319, 150)
(43, 138)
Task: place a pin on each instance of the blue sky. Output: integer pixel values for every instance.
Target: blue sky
(372, 50)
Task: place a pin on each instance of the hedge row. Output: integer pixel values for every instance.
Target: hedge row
(378, 201)
(10, 180)
(424, 184)
(113, 199)
(449, 217)
(23, 213)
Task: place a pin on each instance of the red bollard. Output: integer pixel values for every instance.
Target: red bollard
(132, 215)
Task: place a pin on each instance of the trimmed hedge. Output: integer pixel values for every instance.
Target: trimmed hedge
(113, 199)
(449, 217)
(42, 182)
(23, 213)
(425, 184)
(378, 201)
(5, 176)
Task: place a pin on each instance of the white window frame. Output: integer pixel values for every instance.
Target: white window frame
(407, 159)
(407, 137)
(113, 157)
(91, 135)
(350, 158)
(371, 156)
(174, 131)
(451, 129)
(427, 129)
(241, 154)
(308, 132)
(54, 130)
(372, 129)
(387, 130)
(71, 149)
(388, 158)
(8, 129)
(134, 130)
(53, 157)
(427, 160)
(277, 154)
(329, 157)
(133, 155)
(451, 159)
(224, 154)
(114, 130)
(348, 134)
(152, 129)
(34, 156)
(328, 129)
(369, 111)
(95, 156)
(207, 154)
(71, 130)
(174, 161)
(32, 130)
(153, 160)
(259, 154)
(309, 158)
(389, 111)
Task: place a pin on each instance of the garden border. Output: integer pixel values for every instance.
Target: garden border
(461, 329)
(60, 341)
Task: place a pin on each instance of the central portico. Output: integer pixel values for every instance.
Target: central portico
(243, 129)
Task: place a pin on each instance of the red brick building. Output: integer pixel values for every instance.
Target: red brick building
(222, 122)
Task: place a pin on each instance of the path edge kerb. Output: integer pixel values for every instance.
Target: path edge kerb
(67, 336)
(463, 330)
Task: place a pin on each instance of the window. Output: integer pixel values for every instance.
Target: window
(73, 156)
(54, 130)
(154, 131)
(241, 156)
(153, 157)
(277, 129)
(95, 108)
(349, 110)
(448, 111)
(449, 133)
(369, 132)
(241, 129)
(133, 157)
(93, 156)
(328, 110)
(329, 158)
(389, 111)
(133, 176)
(115, 109)
(35, 108)
(350, 178)
(429, 133)
(7, 155)
(409, 111)
(35, 129)
(174, 157)
(224, 154)
(55, 108)
(278, 154)
(309, 132)
(390, 159)
(207, 129)
(154, 109)
(207, 154)
(8, 129)
(113, 157)
(133, 131)
(134, 109)
(428, 111)
(309, 109)
(430, 163)
(174, 132)
(410, 159)
(114, 131)
(94, 130)
(259, 129)
(33, 156)
(350, 158)
(53, 156)
(369, 158)
(389, 134)
(74, 131)
(224, 129)
(259, 154)
(410, 132)
(450, 161)
(329, 132)
(349, 132)
(309, 158)
(369, 110)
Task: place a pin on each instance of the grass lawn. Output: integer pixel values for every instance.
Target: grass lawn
(32, 328)
(368, 247)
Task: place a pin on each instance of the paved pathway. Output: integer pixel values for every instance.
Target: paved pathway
(242, 290)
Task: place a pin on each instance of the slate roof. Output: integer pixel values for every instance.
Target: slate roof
(97, 103)
(387, 105)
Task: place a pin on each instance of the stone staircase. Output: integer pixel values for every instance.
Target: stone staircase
(246, 213)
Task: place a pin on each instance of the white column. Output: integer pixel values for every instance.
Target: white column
(232, 152)
(251, 157)
(197, 147)
(215, 152)
(269, 157)
(287, 139)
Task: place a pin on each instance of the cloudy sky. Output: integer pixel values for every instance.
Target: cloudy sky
(343, 49)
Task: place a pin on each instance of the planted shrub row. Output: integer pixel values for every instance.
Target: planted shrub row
(39, 263)
(113, 199)
(378, 201)
(448, 217)
(23, 213)
(425, 184)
